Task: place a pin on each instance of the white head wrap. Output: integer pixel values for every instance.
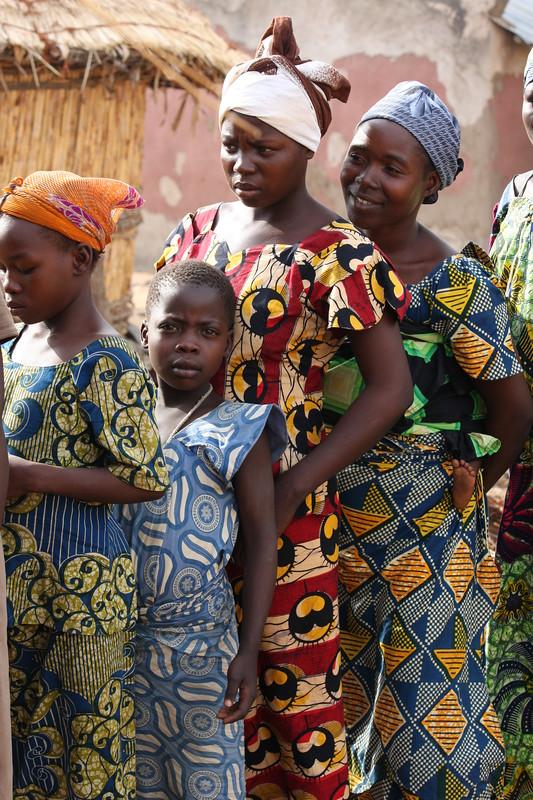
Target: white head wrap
(279, 100)
(281, 90)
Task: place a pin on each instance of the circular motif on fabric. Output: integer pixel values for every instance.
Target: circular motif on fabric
(212, 456)
(227, 411)
(279, 687)
(262, 310)
(286, 552)
(248, 383)
(169, 636)
(148, 771)
(187, 582)
(301, 356)
(217, 604)
(150, 570)
(142, 713)
(314, 751)
(329, 538)
(201, 722)
(205, 513)
(262, 749)
(311, 618)
(333, 678)
(159, 506)
(196, 665)
(204, 785)
(304, 426)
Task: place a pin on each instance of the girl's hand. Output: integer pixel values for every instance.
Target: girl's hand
(242, 687)
(20, 477)
(286, 500)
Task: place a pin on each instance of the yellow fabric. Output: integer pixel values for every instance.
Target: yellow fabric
(85, 210)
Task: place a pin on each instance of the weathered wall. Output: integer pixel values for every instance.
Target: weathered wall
(449, 44)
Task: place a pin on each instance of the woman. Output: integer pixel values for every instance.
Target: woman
(510, 650)
(303, 278)
(417, 583)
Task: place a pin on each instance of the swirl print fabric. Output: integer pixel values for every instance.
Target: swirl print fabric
(70, 577)
(295, 302)
(187, 630)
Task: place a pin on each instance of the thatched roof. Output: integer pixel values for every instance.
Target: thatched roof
(82, 41)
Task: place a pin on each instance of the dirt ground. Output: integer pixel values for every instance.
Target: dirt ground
(496, 496)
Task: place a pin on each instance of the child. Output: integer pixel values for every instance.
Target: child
(7, 331)
(79, 425)
(195, 679)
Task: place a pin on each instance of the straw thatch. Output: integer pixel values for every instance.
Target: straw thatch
(74, 75)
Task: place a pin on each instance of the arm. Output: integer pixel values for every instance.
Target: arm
(387, 393)
(509, 418)
(89, 485)
(254, 490)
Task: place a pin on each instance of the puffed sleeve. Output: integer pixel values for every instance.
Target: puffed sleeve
(226, 444)
(117, 398)
(7, 326)
(353, 282)
(469, 310)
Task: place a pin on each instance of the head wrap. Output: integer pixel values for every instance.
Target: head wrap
(420, 111)
(528, 71)
(82, 209)
(280, 89)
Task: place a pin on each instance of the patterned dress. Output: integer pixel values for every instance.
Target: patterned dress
(510, 643)
(187, 630)
(417, 584)
(293, 303)
(70, 578)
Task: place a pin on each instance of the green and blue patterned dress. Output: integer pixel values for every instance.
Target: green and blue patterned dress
(417, 584)
(70, 578)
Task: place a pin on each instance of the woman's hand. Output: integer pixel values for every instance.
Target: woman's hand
(242, 687)
(20, 476)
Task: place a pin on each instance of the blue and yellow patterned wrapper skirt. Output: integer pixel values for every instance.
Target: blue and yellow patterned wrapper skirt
(417, 588)
(72, 715)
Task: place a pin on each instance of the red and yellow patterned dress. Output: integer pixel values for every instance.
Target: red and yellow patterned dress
(294, 304)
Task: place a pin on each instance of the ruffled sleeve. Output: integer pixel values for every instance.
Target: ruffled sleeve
(180, 242)
(117, 399)
(469, 311)
(353, 281)
(227, 435)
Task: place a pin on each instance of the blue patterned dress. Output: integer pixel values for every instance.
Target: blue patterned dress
(70, 577)
(417, 584)
(187, 631)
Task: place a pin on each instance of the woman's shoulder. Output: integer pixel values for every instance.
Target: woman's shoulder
(471, 262)
(110, 355)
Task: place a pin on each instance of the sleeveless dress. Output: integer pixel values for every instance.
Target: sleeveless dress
(417, 583)
(294, 304)
(70, 578)
(187, 630)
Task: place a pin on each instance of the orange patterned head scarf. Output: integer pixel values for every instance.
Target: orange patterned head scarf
(85, 210)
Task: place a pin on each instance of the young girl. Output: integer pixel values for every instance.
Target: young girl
(7, 331)
(195, 679)
(79, 425)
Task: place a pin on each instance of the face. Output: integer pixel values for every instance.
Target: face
(187, 336)
(261, 169)
(40, 278)
(385, 176)
(527, 110)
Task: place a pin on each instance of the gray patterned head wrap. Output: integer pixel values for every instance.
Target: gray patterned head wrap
(420, 111)
(528, 71)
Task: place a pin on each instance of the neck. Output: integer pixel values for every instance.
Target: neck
(78, 319)
(184, 399)
(294, 205)
(396, 240)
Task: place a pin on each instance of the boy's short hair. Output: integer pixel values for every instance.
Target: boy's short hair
(196, 273)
